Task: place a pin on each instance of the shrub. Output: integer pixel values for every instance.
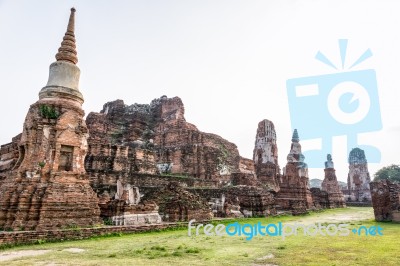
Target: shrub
(192, 250)
(48, 112)
(108, 221)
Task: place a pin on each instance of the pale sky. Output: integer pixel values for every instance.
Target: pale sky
(227, 60)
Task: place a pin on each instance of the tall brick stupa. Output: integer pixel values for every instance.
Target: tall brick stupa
(358, 179)
(47, 186)
(294, 183)
(331, 185)
(265, 154)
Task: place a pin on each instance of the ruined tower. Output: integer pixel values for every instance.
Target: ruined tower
(358, 179)
(331, 185)
(265, 154)
(294, 184)
(48, 186)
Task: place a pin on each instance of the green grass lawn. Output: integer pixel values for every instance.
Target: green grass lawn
(177, 248)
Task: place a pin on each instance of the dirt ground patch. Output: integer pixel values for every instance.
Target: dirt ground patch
(347, 216)
(4, 256)
(74, 250)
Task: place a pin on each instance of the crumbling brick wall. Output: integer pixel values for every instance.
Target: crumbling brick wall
(386, 200)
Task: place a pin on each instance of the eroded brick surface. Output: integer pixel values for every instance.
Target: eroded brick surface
(386, 200)
(331, 185)
(294, 193)
(135, 164)
(358, 180)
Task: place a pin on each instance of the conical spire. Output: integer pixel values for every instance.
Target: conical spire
(67, 51)
(295, 136)
(64, 74)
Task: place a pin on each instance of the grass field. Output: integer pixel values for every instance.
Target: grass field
(177, 248)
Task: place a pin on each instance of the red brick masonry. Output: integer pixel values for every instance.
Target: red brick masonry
(31, 237)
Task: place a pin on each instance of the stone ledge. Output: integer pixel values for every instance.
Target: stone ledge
(358, 204)
(32, 237)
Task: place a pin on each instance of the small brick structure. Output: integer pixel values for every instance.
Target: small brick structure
(179, 204)
(386, 200)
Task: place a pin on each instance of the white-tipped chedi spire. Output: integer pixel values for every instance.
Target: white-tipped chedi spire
(64, 73)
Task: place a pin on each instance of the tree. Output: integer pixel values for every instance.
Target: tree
(391, 172)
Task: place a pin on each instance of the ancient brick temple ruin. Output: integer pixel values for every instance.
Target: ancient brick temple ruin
(331, 185)
(386, 200)
(358, 179)
(294, 187)
(46, 184)
(265, 155)
(140, 163)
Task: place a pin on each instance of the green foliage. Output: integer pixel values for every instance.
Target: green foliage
(42, 164)
(108, 221)
(159, 248)
(115, 137)
(224, 151)
(48, 112)
(391, 172)
(223, 157)
(159, 251)
(147, 134)
(72, 226)
(40, 241)
(177, 175)
(114, 234)
(192, 250)
(175, 247)
(147, 145)
(177, 254)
